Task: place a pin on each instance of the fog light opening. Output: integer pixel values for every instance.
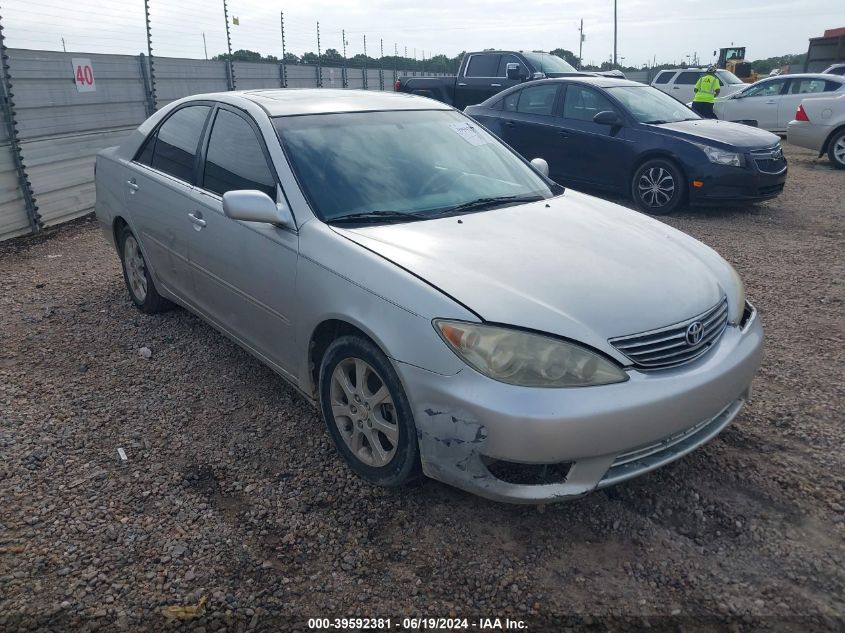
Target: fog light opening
(528, 474)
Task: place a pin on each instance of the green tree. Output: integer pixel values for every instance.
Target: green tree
(567, 56)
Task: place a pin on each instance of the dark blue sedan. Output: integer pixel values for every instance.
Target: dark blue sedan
(629, 138)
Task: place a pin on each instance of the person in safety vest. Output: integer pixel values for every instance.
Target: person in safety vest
(706, 90)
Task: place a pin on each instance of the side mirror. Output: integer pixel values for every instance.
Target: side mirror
(255, 206)
(607, 117)
(541, 165)
(512, 72)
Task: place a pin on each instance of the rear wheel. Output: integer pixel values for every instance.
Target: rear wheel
(367, 413)
(836, 149)
(658, 187)
(137, 276)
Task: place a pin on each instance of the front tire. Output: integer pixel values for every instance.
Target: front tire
(658, 188)
(836, 150)
(367, 413)
(137, 276)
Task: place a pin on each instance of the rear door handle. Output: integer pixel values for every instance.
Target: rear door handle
(676, 87)
(510, 124)
(462, 84)
(133, 186)
(772, 102)
(495, 85)
(197, 220)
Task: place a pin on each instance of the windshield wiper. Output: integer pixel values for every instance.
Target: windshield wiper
(480, 204)
(376, 216)
(655, 122)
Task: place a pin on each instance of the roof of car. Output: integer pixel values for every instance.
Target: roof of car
(293, 101)
(600, 81)
(806, 76)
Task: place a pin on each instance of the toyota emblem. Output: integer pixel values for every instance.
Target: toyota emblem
(695, 332)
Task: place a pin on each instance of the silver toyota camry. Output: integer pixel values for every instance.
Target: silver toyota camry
(449, 309)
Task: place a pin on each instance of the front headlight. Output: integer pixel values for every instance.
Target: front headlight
(528, 360)
(721, 157)
(736, 298)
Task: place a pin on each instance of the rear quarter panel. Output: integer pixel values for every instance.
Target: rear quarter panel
(110, 190)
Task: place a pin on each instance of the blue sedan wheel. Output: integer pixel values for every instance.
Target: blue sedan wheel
(658, 187)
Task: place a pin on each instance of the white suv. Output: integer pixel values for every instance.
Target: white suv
(679, 82)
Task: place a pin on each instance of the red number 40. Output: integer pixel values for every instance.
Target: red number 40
(84, 75)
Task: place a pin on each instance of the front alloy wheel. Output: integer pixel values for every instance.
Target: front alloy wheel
(657, 187)
(364, 412)
(367, 413)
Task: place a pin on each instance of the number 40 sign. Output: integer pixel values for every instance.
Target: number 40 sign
(83, 74)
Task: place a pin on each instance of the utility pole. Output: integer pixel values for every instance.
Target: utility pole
(580, 43)
(64, 48)
(229, 47)
(319, 59)
(343, 72)
(366, 83)
(614, 33)
(284, 63)
(204, 47)
(381, 64)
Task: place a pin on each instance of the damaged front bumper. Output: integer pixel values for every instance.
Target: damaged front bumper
(572, 441)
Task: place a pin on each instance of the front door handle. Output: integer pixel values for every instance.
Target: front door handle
(772, 102)
(133, 186)
(495, 85)
(510, 124)
(196, 218)
(462, 84)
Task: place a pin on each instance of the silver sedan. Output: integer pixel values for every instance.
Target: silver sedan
(449, 309)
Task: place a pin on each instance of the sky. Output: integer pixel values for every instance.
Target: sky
(665, 30)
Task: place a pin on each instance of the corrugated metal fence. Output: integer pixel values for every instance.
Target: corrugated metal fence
(60, 130)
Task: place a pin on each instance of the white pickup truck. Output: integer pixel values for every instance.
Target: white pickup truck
(679, 82)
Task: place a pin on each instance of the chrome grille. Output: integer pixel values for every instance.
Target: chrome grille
(770, 160)
(671, 346)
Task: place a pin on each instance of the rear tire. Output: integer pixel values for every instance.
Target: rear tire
(658, 187)
(836, 149)
(137, 276)
(367, 413)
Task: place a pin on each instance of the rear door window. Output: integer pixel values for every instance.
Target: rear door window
(235, 158)
(810, 86)
(485, 65)
(688, 77)
(175, 146)
(663, 77)
(537, 99)
(511, 100)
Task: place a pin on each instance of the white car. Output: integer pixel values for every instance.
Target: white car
(820, 125)
(770, 103)
(679, 82)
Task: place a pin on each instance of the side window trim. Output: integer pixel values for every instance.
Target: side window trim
(206, 139)
(153, 138)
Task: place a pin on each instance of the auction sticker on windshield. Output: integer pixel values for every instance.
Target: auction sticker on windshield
(468, 132)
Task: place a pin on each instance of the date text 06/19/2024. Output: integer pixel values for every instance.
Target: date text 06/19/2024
(416, 624)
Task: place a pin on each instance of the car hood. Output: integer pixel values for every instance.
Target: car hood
(574, 266)
(722, 132)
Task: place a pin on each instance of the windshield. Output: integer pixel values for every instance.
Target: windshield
(727, 77)
(650, 105)
(414, 162)
(547, 63)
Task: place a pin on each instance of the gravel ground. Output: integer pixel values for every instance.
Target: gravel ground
(233, 501)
